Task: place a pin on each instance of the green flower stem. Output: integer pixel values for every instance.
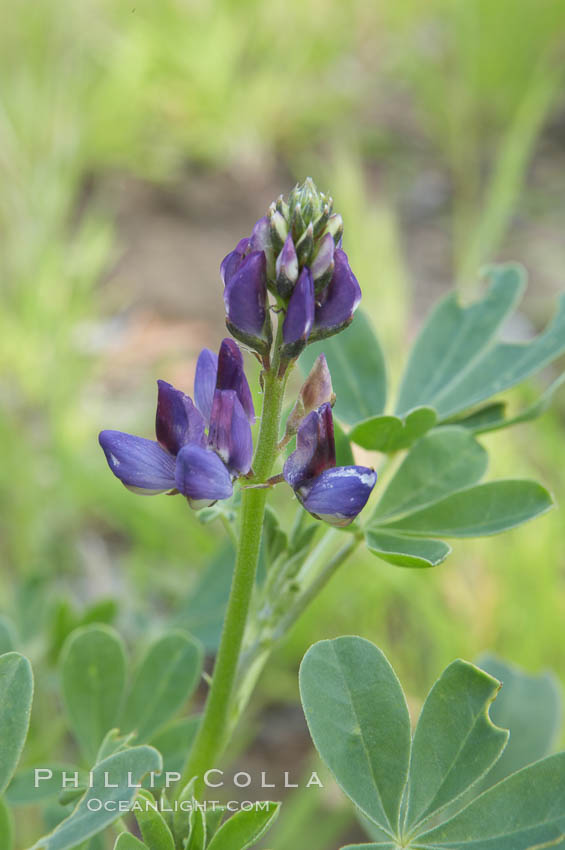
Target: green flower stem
(217, 720)
(315, 573)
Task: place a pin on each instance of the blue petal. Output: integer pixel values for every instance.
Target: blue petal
(245, 296)
(202, 476)
(339, 494)
(232, 261)
(142, 465)
(230, 432)
(342, 298)
(178, 422)
(300, 311)
(205, 381)
(315, 448)
(231, 375)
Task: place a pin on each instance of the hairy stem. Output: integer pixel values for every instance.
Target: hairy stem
(217, 720)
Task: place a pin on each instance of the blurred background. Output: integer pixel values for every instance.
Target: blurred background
(138, 142)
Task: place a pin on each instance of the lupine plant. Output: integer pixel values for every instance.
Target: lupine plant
(289, 298)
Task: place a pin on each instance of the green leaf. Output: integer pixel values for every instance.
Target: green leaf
(485, 418)
(83, 823)
(16, 695)
(406, 551)
(7, 636)
(440, 463)
(154, 830)
(93, 669)
(455, 742)
(113, 743)
(357, 366)
(6, 827)
(391, 433)
(197, 830)
(22, 790)
(492, 418)
(343, 452)
(245, 828)
(163, 682)
(359, 722)
(454, 339)
(381, 845)
(202, 613)
(530, 707)
(174, 743)
(504, 366)
(479, 511)
(526, 811)
(127, 841)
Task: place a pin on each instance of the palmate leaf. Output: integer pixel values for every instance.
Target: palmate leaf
(456, 362)
(454, 745)
(245, 828)
(358, 370)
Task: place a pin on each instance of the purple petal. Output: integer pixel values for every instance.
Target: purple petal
(338, 495)
(201, 476)
(315, 448)
(230, 432)
(231, 375)
(232, 261)
(178, 421)
(205, 381)
(261, 235)
(245, 296)
(300, 311)
(341, 300)
(287, 266)
(142, 465)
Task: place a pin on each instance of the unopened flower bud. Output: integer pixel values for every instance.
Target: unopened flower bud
(279, 228)
(323, 263)
(322, 220)
(286, 269)
(335, 227)
(245, 298)
(305, 245)
(316, 390)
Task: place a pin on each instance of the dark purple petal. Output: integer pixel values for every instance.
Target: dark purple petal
(205, 381)
(315, 448)
(232, 261)
(230, 432)
(231, 375)
(201, 476)
(178, 421)
(142, 465)
(338, 495)
(245, 296)
(300, 311)
(341, 299)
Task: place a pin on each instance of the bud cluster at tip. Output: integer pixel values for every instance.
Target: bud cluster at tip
(295, 253)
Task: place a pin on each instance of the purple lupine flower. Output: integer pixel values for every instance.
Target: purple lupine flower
(335, 494)
(184, 458)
